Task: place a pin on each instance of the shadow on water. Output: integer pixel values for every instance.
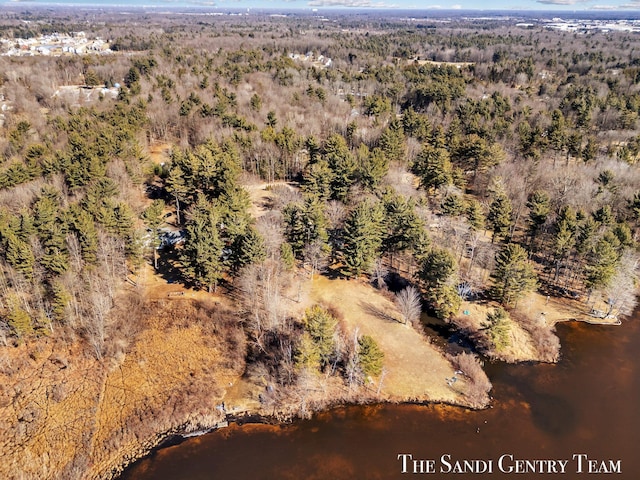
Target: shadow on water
(552, 414)
(445, 335)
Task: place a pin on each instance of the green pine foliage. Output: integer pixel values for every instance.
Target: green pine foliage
(201, 256)
(499, 217)
(317, 344)
(438, 276)
(513, 275)
(305, 223)
(362, 238)
(370, 356)
(498, 329)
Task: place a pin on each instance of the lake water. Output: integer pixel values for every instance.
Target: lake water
(587, 404)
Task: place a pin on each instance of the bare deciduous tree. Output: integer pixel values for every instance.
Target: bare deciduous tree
(622, 292)
(378, 274)
(316, 256)
(409, 303)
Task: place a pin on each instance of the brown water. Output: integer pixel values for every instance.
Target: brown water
(586, 404)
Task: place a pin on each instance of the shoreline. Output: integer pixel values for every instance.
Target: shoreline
(176, 436)
(287, 412)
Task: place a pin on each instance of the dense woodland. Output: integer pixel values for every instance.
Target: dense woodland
(460, 160)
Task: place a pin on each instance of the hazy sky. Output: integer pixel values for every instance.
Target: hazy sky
(612, 5)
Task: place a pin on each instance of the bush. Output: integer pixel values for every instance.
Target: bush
(479, 384)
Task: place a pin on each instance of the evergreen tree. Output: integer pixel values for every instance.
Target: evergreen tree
(564, 237)
(392, 142)
(19, 254)
(321, 327)
(499, 216)
(61, 299)
(602, 262)
(438, 276)
(433, 167)
(304, 224)
(373, 166)
(286, 255)
(539, 208)
(362, 238)
(475, 215)
(498, 328)
(437, 269)
(177, 186)
(247, 249)
(370, 356)
(557, 132)
(307, 353)
(342, 164)
(604, 215)
(445, 301)
(85, 228)
(202, 253)
(513, 275)
(153, 217)
(317, 180)
(20, 321)
(403, 227)
(416, 125)
(452, 205)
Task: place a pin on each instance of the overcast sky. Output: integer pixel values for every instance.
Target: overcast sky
(612, 5)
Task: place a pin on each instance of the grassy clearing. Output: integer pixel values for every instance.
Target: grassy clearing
(416, 370)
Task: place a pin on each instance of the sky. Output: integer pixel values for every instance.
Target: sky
(565, 5)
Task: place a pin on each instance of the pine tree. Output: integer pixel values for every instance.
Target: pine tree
(61, 299)
(437, 269)
(286, 255)
(202, 253)
(85, 228)
(307, 353)
(19, 254)
(392, 142)
(342, 164)
(403, 227)
(452, 205)
(153, 217)
(177, 186)
(362, 238)
(564, 237)
(20, 321)
(373, 166)
(247, 249)
(438, 277)
(498, 328)
(499, 216)
(370, 356)
(539, 208)
(475, 215)
(513, 275)
(304, 224)
(557, 133)
(445, 301)
(602, 262)
(433, 167)
(321, 327)
(317, 180)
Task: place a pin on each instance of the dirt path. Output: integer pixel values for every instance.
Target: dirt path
(415, 369)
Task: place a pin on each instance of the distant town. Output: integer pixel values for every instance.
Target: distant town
(55, 44)
(591, 26)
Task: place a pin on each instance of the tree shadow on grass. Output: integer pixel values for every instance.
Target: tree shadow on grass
(377, 312)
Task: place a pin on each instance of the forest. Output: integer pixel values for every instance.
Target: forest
(450, 167)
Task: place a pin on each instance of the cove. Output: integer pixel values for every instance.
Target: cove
(587, 404)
